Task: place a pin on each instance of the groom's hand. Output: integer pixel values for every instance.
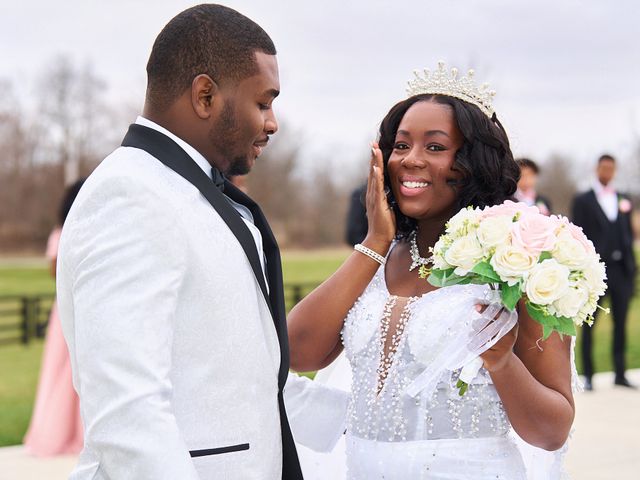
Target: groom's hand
(380, 216)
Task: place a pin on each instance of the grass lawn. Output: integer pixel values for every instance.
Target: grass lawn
(19, 365)
(603, 338)
(31, 279)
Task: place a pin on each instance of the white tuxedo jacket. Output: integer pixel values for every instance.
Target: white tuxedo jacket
(173, 347)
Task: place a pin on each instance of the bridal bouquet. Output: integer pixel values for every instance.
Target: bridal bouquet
(548, 261)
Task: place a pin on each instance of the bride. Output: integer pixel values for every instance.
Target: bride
(441, 149)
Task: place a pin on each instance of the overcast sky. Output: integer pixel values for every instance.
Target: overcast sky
(567, 73)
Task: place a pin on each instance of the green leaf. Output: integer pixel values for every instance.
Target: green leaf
(466, 280)
(566, 326)
(549, 323)
(480, 280)
(462, 387)
(546, 331)
(445, 278)
(457, 280)
(544, 256)
(510, 295)
(484, 269)
(540, 316)
(437, 277)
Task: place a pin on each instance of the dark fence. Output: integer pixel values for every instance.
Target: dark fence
(25, 317)
(294, 292)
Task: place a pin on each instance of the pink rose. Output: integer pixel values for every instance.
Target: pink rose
(509, 208)
(543, 208)
(624, 205)
(577, 233)
(535, 233)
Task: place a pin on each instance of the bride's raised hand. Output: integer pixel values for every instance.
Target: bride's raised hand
(380, 216)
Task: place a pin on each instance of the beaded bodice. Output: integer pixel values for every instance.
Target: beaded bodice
(388, 343)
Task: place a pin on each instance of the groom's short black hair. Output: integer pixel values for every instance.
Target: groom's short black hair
(208, 38)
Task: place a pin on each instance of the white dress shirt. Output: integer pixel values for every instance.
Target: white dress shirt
(202, 162)
(608, 200)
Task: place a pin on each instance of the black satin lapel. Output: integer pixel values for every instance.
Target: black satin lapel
(274, 273)
(173, 156)
(270, 245)
(237, 195)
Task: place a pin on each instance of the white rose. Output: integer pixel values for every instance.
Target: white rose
(570, 252)
(512, 263)
(438, 254)
(594, 276)
(440, 246)
(464, 253)
(570, 304)
(494, 231)
(440, 263)
(463, 222)
(548, 281)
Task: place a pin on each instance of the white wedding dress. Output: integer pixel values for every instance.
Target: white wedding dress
(398, 346)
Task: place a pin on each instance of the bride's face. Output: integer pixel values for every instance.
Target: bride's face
(421, 166)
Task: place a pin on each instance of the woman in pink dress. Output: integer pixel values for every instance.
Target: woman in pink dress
(55, 427)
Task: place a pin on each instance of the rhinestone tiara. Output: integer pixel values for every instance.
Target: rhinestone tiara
(446, 82)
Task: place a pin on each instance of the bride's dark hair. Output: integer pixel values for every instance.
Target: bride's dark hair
(490, 174)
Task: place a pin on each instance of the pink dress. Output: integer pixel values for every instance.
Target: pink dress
(56, 427)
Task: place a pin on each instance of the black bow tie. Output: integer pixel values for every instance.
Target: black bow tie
(217, 178)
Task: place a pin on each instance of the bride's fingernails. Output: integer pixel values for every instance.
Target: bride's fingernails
(373, 151)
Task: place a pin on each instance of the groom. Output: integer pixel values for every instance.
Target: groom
(169, 280)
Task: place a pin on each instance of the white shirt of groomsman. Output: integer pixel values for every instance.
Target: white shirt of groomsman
(604, 189)
(607, 198)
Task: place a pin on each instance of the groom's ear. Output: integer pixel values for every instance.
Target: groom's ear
(203, 92)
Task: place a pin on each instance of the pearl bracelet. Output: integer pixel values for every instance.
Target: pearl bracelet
(370, 253)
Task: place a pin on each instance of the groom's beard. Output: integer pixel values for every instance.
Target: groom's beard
(226, 138)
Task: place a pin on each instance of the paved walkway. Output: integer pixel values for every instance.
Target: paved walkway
(606, 442)
(605, 446)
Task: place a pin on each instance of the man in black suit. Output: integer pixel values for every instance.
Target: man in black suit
(605, 216)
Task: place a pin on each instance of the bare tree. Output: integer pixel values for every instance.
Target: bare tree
(274, 185)
(558, 182)
(329, 202)
(71, 130)
(25, 216)
(76, 116)
(304, 209)
(41, 151)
